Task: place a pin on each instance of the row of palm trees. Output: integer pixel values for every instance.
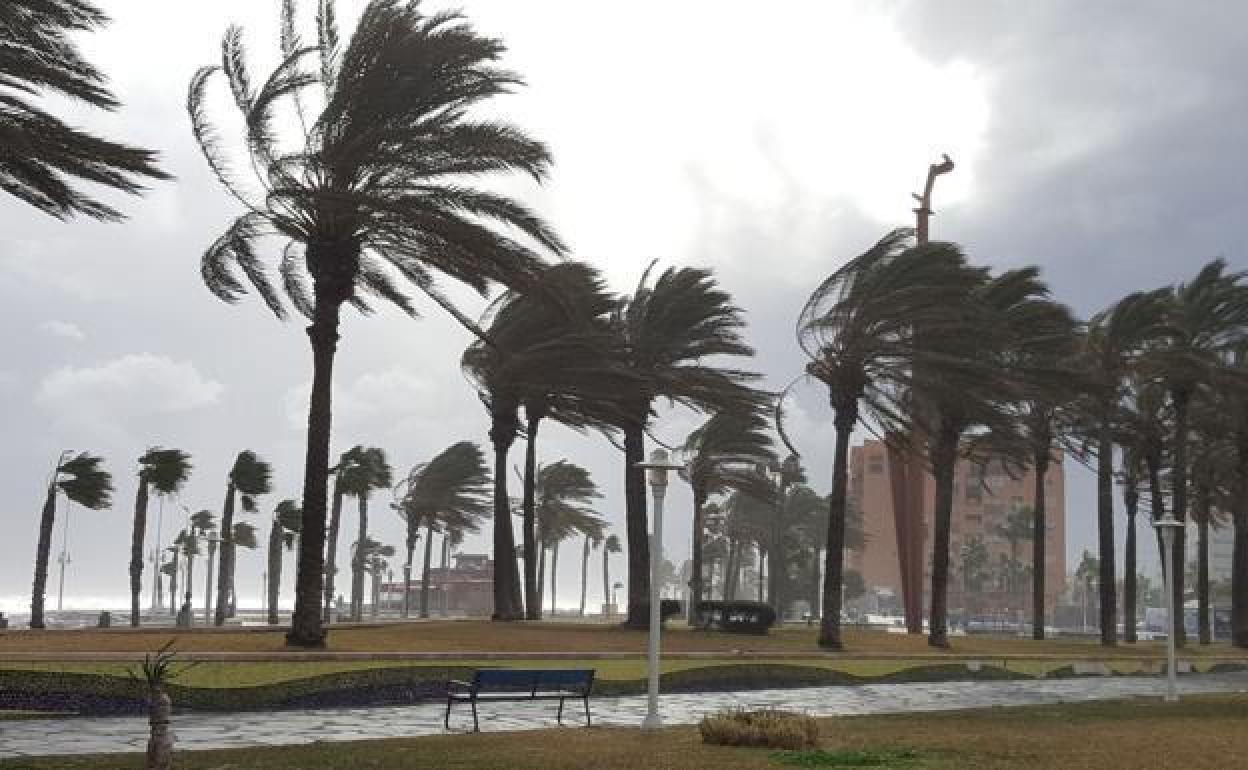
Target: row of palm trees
(375, 191)
(954, 361)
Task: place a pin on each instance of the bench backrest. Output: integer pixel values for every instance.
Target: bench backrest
(532, 680)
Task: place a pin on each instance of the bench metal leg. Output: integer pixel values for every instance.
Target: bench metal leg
(446, 720)
(559, 718)
(476, 726)
(588, 723)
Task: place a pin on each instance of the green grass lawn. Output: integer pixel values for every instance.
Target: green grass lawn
(1140, 734)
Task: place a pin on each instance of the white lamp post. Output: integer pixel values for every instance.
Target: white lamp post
(657, 469)
(1166, 526)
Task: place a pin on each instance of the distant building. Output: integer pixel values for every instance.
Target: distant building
(465, 589)
(983, 496)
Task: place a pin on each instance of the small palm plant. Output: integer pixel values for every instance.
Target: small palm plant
(84, 482)
(154, 674)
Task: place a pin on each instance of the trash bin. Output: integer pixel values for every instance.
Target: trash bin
(105, 621)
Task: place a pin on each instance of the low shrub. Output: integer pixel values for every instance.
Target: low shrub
(766, 728)
(668, 609)
(737, 616)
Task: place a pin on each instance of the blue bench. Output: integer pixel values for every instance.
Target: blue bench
(511, 684)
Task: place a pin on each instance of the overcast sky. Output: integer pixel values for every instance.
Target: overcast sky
(1104, 142)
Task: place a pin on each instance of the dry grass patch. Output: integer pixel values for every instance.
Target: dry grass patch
(765, 728)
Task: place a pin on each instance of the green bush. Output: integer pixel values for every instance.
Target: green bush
(738, 616)
(767, 728)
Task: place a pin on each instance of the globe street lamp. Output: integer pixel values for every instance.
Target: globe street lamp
(1166, 526)
(657, 470)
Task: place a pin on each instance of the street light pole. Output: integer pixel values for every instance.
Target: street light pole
(1166, 525)
(657, 469)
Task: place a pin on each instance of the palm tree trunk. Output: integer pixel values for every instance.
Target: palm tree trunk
(637, 526)
(776, 560)
(606, 578)
(508, 602)
(227, 556)
(532, 604)
(173, 586)
(357, 563)
(1178, 492)
(1105, 533)
(1039, 539)
(1157, 495)
(445, 599)
(1239, 554)
(333, 281)
(136, 550)
(1131, 500)
(407, 568)
(730, 571)
(274, 584)
(1202, 513)
(187, 605)
(424, 578)
(696, 591)
(815, 598)
(554, 566)
(584, 574)
(944, 464)
(47, 522)
(331, 553)
(762, 557)
(834, 554)
(541, 572)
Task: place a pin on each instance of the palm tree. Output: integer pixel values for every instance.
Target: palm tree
(1111, 349)
(374, 556)
(287, 519)
(170, 570)
(609, 546)
(331, 536)
(1201, 321)
(452, 488)
(202, 524)
(1087, 573)
(377, 191)
(1018, 526)
(592, 540)
(164, 470)
(249, 478)
(84, 482)
(979, 387)
(365, 469)
(857, 328)
(564, 493)
(550, 351)
(1143, 416)
(672, 335)
(40, 155)
(723, 455)
(242, 536)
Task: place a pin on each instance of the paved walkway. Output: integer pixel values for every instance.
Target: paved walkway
(211, 731)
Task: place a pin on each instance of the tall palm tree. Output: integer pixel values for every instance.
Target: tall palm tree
(377, 564)
(170, 570)
(550, 351)
(366, 470)
(42, 157)
(1202, 319)
(858, 329)
(673, 334)
(249, 477)
(165, 471)
(243, 535)
(375, 190)
(1019, 525)
(84, 482)
(202, 525)
(979, 388)
(452, 487)
(1111, 349)
(609, 546)
(564, 494)
(723, 454)
(331, 535)
(283, 531)
(592, 540)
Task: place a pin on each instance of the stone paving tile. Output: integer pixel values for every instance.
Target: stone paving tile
(214, 730)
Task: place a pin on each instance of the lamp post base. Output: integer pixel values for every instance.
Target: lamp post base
(652, 722)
